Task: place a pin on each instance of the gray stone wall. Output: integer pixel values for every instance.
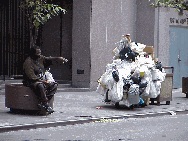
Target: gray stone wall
(110, 20)
(81, 43)
(145, 22)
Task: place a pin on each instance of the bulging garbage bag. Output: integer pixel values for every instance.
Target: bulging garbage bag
(158, 87)
(155, 74)
(152, 92)
(136, 73)
(101, 90)
(158, 75)
(116, 63)
(147, 90)
(126, 102)
(117, 91)
(104, 79)
(161, 76)
(147, 76)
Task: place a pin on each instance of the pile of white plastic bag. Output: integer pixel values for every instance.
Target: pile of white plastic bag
(132, 74)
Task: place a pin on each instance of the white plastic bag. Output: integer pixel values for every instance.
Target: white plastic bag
(126, 102)
(161, 76)
(104, 79)
(101, 90)
(117, 91)
(158, 75)
(48, 76)
(152, 92)
(146, 91)
(158, 87)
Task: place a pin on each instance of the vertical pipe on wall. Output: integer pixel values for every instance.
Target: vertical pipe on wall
(135, 20)
(1, 40)
(5, 35)
(17, 38)
(1, 37)
(8, 37)
(61, 34)
(11, 34)
(158, 33)
(2, 43)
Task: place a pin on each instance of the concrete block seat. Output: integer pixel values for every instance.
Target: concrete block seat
(20, 97)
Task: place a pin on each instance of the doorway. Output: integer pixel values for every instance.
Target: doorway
(179, 54)
(57, 41)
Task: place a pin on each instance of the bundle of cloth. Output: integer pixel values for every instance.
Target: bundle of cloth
(132, 74)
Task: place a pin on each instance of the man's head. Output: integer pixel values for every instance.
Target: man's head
(35, 52)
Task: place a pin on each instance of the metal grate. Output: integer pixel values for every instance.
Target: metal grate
(14, 38)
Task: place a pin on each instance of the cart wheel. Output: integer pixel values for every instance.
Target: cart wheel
(158, 104)
(152, 102)
(117, 104)
(131, 107)
(167, 102)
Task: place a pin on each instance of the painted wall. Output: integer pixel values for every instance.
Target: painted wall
(110, 20)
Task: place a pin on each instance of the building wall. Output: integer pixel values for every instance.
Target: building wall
(165, 14)
(172, 42)
(110, 20)
(145, 22)
(81, 43)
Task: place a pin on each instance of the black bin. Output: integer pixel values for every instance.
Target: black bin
(185, 86)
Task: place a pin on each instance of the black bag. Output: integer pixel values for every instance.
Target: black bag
(127, 54)
(136, 79)
(115, 75)
(158, 65)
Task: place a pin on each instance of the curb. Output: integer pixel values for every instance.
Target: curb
(9, 128)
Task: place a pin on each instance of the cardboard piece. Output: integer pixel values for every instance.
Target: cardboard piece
(149, 50)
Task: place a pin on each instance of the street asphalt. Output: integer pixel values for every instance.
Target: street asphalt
(80, 107)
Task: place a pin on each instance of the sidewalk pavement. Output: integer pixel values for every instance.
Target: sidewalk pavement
(80, 107)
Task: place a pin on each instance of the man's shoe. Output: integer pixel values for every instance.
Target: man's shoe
(48, 109)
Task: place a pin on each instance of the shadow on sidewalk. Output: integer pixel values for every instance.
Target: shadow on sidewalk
(26, 112)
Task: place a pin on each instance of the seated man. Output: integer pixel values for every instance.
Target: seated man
(33, 71)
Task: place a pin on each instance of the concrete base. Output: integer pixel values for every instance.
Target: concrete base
(17, 96)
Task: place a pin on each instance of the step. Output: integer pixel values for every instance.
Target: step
(64, 85)
(73, 89)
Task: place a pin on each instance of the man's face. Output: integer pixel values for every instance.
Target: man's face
(38, 53)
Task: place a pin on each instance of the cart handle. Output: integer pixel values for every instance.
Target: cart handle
(169, 67)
